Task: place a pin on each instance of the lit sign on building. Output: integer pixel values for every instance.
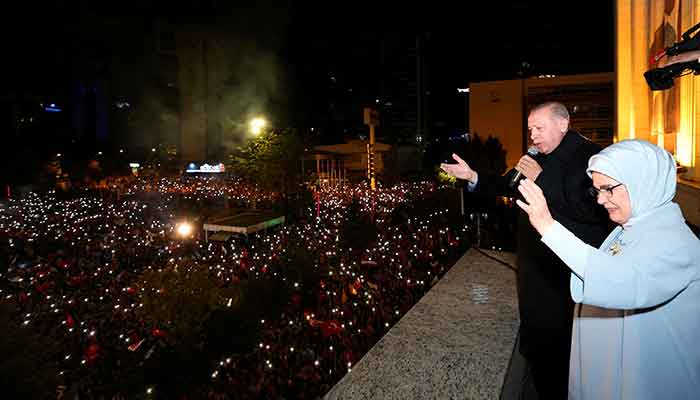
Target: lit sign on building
(53, 108)
(134, 168)
(206, 168)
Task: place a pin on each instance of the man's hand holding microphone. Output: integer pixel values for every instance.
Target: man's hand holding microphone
(527, 167)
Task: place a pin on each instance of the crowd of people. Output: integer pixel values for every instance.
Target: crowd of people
(74, 271)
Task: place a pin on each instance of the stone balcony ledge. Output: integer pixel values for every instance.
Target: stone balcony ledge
(455, 343)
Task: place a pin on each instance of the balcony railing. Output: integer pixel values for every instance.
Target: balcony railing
(456, 343)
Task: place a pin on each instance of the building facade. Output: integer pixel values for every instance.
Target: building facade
(669, 118)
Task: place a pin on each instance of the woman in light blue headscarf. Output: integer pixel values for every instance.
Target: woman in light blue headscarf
(636, 327)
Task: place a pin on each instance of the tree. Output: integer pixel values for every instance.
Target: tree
(484, 156)
(236, 329)
(200, 321)
(180, 301)
(272, 159)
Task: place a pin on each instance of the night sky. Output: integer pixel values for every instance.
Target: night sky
(319, 48)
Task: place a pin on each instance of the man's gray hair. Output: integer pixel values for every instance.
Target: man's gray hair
(557, 109)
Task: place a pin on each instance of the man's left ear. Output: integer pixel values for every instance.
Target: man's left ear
(563, 125)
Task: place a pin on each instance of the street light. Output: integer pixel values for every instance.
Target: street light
(257, 125)
(184, 229)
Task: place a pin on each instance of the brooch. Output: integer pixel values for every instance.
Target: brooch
(616, 248)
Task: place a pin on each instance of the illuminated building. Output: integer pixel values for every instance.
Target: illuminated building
(668, 118)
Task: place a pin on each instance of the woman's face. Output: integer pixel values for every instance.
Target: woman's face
(614, 198)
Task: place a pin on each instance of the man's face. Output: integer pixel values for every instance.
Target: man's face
(546, 130)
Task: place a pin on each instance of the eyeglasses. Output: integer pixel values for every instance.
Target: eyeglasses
(607, 191)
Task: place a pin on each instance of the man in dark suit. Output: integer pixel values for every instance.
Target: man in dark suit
(546, 307)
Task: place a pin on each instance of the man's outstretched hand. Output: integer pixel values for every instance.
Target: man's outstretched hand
(459, 170)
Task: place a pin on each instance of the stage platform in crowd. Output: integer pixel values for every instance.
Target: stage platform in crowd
(457, 342)
(243, 223)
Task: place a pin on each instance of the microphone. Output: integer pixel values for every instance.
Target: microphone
(531, 151)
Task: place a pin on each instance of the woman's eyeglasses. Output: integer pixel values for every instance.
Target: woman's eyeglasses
(606, 191)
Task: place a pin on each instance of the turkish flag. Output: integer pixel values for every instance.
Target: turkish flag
(330, 328)
(92, 352)
(135, 346)
(76, 280)
(158, 333)
(44, 287)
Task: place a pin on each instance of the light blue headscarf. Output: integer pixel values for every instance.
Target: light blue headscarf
(647, 171)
